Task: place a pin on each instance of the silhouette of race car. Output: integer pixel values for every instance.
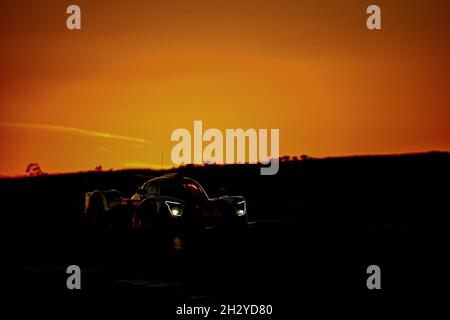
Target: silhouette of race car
(167, 203)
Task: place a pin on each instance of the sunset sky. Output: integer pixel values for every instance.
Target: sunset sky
(112, 93)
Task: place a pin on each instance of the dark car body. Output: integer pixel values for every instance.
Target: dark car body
(169, 203)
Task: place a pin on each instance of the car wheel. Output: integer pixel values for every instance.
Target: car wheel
(145, 215)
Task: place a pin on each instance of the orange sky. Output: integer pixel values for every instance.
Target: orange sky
(112, 93)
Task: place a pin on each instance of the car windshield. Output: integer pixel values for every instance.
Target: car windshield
(184, 190)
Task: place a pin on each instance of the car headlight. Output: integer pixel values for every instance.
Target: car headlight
(241, 208)
(175, 208)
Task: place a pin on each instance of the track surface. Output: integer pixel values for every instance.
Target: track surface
(289, 263)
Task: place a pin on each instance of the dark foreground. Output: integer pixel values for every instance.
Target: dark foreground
(297, 256)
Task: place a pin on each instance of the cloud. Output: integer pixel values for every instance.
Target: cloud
(136, 142)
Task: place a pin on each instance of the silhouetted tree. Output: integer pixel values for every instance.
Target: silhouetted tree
(305, 157)
(34, 169)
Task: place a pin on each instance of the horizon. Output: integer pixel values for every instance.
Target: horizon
(282, 159)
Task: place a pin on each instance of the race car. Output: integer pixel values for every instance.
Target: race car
(167, 203)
